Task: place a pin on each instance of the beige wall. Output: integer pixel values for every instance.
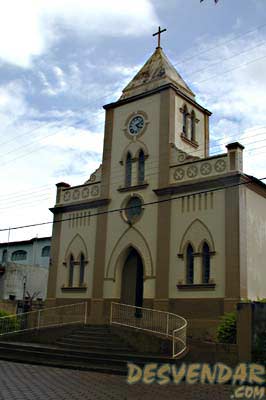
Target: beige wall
(195, 218)
(76, 235)
(200, 128)
(143, 234)
(256, 245)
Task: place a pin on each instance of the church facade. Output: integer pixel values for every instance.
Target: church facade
(160, 224)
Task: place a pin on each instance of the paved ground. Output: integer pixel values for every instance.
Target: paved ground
(29, 382)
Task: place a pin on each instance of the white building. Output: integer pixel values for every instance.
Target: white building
(24, 267)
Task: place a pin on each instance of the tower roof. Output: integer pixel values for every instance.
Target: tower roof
(156, 72)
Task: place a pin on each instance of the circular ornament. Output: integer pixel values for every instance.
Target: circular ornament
(192, 171)
(85, 193)
(220, 165)
(76, 194)
(179, 174)
(181, 157)
(205, 169)
(67, 196)
(95, 191)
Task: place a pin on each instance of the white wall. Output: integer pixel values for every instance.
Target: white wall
(34, 252)
(12, 281)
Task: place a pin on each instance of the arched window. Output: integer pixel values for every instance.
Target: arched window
(185, 114)
(193, 126)
(190, 264)
(205, 263)
(19, 255)
(4, 256)
(81, 269)
(141, 167)
(71, 271)
(46, 251)
(128, 170)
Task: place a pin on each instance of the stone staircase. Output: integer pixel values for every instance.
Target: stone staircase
(95, 348)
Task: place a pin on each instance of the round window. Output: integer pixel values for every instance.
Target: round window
(133, 209)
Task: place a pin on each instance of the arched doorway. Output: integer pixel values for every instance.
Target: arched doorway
(132, 280)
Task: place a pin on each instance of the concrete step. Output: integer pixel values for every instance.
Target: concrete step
(91, 336)
(91, 340)
(66, 353)
(89, 348)
(89, 333)
(94, 347)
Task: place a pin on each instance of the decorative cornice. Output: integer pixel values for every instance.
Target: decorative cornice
(79, 206)
(154, 91)
(82, 185)
(201, 184)
(200, 160)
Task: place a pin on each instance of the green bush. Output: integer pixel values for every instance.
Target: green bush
(226, 332)
(8, 324)
(4, 313)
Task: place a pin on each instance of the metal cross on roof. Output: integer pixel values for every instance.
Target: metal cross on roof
(159, 35)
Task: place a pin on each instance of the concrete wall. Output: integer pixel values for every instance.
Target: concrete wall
(12, 281)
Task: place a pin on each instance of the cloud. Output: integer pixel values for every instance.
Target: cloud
(28, 28)
(12, 102)
(230, 80)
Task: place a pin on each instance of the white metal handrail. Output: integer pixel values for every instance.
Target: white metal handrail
(43, 318)
(160, 322)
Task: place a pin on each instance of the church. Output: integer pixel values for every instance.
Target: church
(160, 224)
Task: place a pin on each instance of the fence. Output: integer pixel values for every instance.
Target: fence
(160, 322)
(54, 316)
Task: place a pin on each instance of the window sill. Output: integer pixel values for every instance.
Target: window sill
(74, 288)
(196, 286)
(133, 188)
(188, 141)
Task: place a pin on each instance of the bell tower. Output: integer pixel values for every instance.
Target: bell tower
(156, 117)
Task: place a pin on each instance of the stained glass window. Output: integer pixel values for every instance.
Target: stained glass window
(133, 209)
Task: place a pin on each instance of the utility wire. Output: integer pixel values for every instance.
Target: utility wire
(192, 73)
(133, 207)
(230, 70)
(117, 179)
(219, 45)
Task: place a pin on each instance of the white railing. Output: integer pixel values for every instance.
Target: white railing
(160, 322)
(46, 317)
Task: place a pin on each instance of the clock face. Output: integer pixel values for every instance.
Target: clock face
(136, 125)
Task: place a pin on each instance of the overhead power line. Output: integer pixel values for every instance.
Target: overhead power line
(128, 208)
(186, 60)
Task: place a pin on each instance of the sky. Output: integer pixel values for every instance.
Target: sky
(62, 60)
